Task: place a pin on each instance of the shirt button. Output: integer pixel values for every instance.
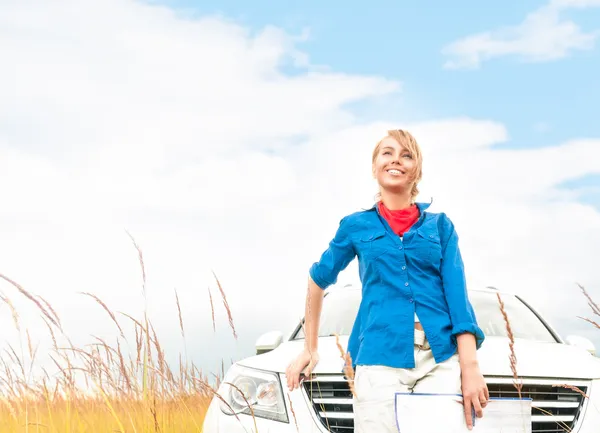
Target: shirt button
(430, 236)
(411, 300)
(403, 268)
(406, 284)
(399, 248)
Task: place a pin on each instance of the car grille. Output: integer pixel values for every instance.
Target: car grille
(555, 409)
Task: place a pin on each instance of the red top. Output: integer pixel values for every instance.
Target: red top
(400, 220)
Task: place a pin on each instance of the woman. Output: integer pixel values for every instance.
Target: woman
(415, 330)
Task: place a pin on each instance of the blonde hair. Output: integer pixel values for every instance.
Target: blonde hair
(406, 139)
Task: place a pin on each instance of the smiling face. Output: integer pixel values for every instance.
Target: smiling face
(397, 163)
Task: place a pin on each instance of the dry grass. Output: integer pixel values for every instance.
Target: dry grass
(101, 387)
(511, 343)
(226, 305)
(293, 412)
(594, 306)
(348, 370)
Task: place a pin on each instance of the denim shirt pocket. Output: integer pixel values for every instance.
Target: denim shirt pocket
(373, 244)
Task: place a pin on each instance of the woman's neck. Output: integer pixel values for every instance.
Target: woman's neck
(395, 201)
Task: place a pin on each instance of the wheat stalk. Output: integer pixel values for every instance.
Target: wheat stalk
(226, 304)
(513, 357)
(348, 370)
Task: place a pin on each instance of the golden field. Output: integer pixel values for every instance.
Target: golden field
(117, 414)
(100, 388)
(103, 390)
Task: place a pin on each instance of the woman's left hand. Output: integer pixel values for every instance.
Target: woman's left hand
(475, 392)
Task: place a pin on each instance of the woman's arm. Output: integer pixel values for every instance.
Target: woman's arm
(322, 274)
(308, 359)
(455, 287)
(465, 330)
(314, 305)
(467, 350)
(474, 389)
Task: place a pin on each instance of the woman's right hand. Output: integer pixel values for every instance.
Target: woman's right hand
(304, 363)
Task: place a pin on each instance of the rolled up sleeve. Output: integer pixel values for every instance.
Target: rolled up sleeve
(462, 313)
(335, 258)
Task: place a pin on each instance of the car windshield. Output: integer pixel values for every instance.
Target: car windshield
(339, 311)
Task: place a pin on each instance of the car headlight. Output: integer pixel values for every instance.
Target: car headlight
(261, 391)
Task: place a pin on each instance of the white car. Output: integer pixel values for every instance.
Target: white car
(324, 404)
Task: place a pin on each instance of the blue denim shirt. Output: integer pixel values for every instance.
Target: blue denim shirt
(421, 272)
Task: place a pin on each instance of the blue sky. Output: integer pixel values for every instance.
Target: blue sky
(542, 103)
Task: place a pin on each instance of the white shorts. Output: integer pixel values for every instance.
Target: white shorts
(376, 386)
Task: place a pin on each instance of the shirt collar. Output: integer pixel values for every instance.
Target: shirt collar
(422, 206)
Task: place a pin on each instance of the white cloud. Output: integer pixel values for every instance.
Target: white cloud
(544, 35)
(186, 132)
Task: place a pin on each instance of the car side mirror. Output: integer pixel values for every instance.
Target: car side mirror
(268, 341)
(581, 342)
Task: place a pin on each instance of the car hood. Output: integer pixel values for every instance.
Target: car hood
(534, 359)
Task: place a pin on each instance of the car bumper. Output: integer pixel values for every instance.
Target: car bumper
(300, 414)
(218, 422)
